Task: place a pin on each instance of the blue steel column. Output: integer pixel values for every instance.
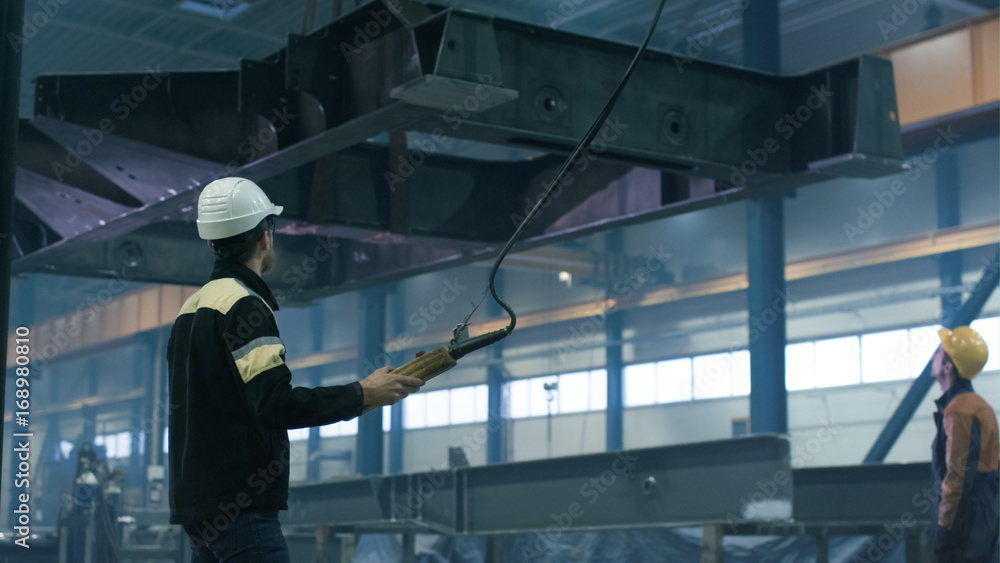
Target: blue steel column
(397, 314)
(613, 363)
(922, 384)
(315, 380)
(497, 423)
(950, 263)
(766, 277)
(613, 322)
(371, 337)
(766, 250)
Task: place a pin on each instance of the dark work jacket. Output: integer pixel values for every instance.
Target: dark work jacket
(231, 402)
(964, 461)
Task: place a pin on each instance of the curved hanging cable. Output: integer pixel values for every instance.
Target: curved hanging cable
(570, 162)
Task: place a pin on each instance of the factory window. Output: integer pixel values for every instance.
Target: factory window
(117, 446)
(673, 381)
(838, 362)
(885, 356)
(414, 413)
(800, 366)
(467, 404)
(563, 394)
(741, 373)
(461, 405)
(640, 384)
(868, 358)
(345, 428)
(989, 329)
(598, 389)
(683, 379)
(713, 376)
(573, 396)
(923, 342)
(437, 408)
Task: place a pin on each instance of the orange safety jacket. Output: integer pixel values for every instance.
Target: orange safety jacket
(965, 457)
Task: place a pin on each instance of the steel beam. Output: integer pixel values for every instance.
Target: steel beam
(710, 483)
(922, 384)
(403, 66)
(864, 495)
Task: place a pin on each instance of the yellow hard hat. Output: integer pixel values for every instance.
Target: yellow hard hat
(966, 348)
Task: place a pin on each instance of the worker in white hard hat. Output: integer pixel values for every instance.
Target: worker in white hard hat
(965, 454)
(231, 401)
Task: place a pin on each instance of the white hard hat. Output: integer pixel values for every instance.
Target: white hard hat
(231, 206)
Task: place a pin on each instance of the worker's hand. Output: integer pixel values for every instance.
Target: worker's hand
(383, 387)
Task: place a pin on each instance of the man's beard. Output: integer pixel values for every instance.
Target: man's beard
(268, 262)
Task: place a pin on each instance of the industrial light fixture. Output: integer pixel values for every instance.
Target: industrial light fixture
(566, 278)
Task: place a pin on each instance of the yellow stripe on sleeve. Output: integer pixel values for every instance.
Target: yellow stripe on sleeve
(259, 360)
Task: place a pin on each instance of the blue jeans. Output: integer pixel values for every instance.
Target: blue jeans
(253, 537)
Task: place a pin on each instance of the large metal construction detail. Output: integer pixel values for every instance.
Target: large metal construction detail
(743, 486)
(404, 137)
(710, 483)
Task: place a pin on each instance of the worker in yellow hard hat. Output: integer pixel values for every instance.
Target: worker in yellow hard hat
(965, 453)
(231, 399)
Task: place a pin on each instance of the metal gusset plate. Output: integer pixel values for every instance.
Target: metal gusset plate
(66, 210)
(148, 173)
